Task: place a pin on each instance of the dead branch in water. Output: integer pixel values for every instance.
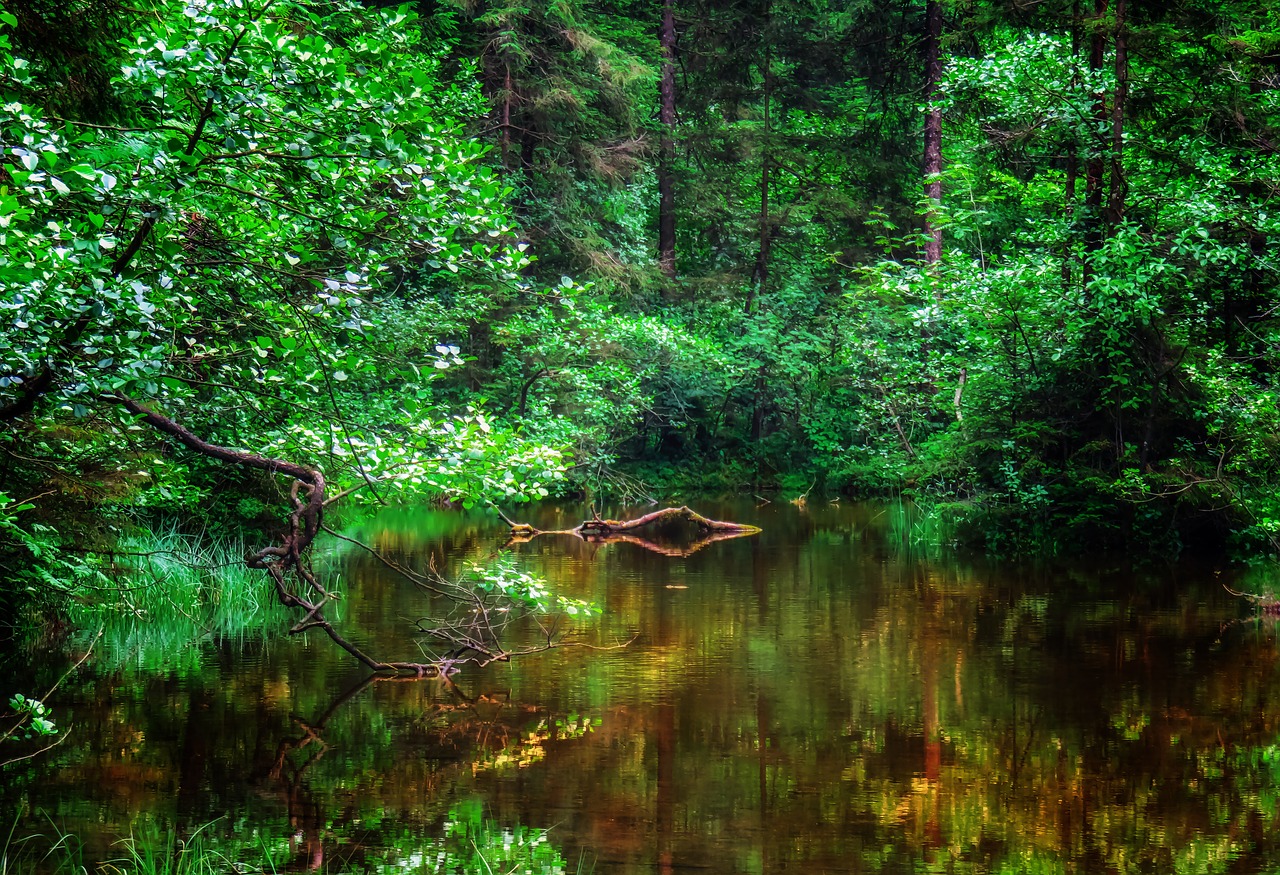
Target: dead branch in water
(1266, 603)
(606, 531)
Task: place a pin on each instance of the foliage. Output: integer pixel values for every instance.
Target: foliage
(32, 718)
(223, 252)
(9, 510)
(506, 580)
(1117, 384)
(236, 243)
(473, 844)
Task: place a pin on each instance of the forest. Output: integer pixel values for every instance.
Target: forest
(1010, 261)
(305, 306)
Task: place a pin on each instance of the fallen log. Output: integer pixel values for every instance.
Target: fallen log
(598, 530)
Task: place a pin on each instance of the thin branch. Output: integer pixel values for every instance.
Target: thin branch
(279, 156)
(333, 401)
(63, 737)
(79, 662)
(35, 753)
(407, 573)
(313, 217)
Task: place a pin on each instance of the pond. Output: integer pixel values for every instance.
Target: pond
(820, 697)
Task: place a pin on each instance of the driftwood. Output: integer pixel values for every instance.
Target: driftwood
(606, 531)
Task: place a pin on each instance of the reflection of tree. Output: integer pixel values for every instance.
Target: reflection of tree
(1076, 739)
(811, 707)
(470, 731)
(305, 817)
(829, 714)
(662, 549)
(475, 622)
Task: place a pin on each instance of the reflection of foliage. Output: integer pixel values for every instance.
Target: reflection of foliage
(530, 745)
(1084, 721)
(473, 845)
(1130, 720)
(473, 616)
(1032, 862)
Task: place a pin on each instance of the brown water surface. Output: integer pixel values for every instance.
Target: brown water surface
(821, 697)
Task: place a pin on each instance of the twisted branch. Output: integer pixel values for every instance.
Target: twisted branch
(287, 563)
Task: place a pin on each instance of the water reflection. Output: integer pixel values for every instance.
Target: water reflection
(815, 697)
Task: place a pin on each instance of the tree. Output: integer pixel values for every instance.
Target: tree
(232, 239)
(571, 96)
(227, 262)
(1101, 406)
(666, 168)
(933, 129)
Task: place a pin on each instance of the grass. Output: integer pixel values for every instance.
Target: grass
(32, 854)
(166, 854)
(169, 592)
(154, 852)
(919, 529)
(469, 844)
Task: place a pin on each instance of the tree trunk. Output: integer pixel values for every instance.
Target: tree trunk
(933, 131)
(666, 149)
(506, 117)
(1095, 167)
(1072, 150)
(762, 258)
(765, 231)
(1115, 199)
(528, 143)
(604, 527)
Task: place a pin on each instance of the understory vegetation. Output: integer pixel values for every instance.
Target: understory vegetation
(1014, 264)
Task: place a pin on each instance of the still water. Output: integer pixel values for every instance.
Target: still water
(820, 697)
